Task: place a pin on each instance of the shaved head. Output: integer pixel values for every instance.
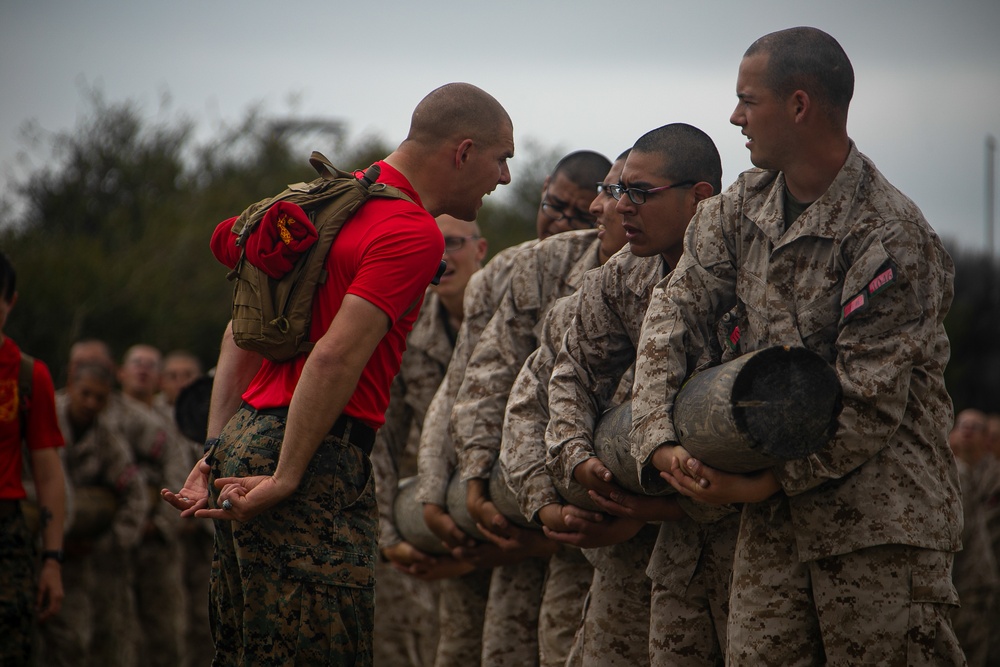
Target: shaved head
(457, 109)
(808, 59)
(687, 153)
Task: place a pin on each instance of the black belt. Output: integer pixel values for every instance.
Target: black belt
(9, 507)
(355, 431)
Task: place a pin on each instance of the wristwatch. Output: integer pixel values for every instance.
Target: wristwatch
(56, 555)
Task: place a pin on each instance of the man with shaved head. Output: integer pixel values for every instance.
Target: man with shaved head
(843, 556)
(289, 442)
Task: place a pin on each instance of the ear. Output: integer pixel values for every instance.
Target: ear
(799, 105)
(481, 246)
(463, 152)
(702, 190)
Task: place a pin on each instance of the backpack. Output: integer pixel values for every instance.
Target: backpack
(271, 316)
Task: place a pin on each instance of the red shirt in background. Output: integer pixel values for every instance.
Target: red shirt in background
(42, 423)
(387, 254)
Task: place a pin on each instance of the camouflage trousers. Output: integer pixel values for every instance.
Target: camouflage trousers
(295, 584)
(17, 590)
(567, 581)
(406, 619)
(688, 610)
(614, 631)
(886, 605)
(197, 545)
(161, 600)
(97, 623)
(461, 613)
(510, 627)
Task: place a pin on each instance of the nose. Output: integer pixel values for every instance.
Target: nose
(737, 117)
(625, 205)
(504, 174)
(596, 207)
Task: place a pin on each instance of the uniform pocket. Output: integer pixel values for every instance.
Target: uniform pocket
(331, 567)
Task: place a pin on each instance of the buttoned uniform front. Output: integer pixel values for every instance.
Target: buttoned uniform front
(96, 625)
(462, 602)
(549, 270)
(887, 477)
(406, 608)
(688, 569)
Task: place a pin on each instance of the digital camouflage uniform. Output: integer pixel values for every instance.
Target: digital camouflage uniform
(542, 274)
(862, 535)
(96, 623)
(462, 603)
(313, 554)
(688, 572)
(160, 595)
(406, 608)
(986, 481)
(522, 463)
(197, 542)
(975, 575)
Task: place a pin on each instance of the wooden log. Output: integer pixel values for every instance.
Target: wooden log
(759, 410)
(459, 510)
(409, 517)
(756, 411)
(506, 500)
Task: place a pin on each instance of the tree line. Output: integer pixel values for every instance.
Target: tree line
(110, 233)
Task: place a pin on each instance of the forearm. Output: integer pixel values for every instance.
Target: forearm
(50, 487)
(234, 370)
(326, 385)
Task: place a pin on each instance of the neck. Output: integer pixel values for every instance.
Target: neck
(453, 306)
(812, 174)
(142, 398)
(422, 179)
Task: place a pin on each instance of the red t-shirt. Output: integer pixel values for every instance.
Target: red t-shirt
(43, 426)
(387, 254)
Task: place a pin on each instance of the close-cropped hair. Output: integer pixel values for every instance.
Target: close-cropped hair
(687, 153)
(583, 168)
(807, 59)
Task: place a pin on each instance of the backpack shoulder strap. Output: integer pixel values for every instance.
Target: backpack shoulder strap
(25, 379)
(25, 385)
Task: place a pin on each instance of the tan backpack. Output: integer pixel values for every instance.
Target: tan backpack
(271, 316)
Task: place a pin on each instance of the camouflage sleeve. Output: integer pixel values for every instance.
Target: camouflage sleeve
(595, 353)
(390, 441)
(678, 328)
(436, 457)
(123, 475)
(522, 452)
(895, 340)
(508, 339)
(161, 460)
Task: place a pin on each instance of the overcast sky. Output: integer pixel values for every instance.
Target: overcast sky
(579, 74)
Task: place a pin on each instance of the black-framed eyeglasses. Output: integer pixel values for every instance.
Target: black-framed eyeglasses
(453, 243)
(605, 189)
(575, 221)
(638, 197)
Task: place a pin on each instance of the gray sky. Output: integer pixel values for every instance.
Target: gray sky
(580, 74)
